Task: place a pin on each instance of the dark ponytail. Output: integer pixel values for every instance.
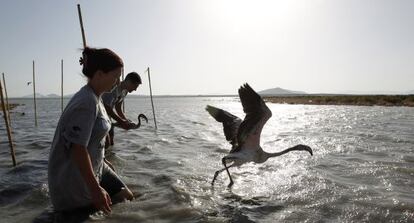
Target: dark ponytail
(94, 59)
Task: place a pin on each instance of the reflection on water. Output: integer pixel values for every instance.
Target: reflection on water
(362, 168)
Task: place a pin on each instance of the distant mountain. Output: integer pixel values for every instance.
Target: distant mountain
(280, 91)
(53, 96)
(37, 96)
(410, 92)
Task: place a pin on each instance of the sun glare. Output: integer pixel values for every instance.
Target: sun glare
(245, 15)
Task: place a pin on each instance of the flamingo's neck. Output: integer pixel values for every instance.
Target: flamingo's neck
(270, 155)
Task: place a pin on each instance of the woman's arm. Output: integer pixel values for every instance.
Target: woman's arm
(100, 199)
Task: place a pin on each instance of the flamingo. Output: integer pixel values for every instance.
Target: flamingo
(134, 126)
(244, 136)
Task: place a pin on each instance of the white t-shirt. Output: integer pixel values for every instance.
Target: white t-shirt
(115, 96)
(84, 122)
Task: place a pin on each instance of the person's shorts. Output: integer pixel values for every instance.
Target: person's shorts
(110, 181)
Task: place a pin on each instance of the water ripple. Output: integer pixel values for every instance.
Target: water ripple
(362, 169)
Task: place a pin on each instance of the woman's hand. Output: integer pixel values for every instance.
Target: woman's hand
(101, 200)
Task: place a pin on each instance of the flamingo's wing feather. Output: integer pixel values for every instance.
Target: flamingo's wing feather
(230, 122)
(257, 114)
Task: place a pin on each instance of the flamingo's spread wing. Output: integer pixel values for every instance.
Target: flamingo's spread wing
(230, 122)
(257, 114)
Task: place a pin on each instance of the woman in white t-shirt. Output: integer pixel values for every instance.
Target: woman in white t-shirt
(78, 176)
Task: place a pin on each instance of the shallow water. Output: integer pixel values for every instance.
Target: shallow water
(362, 169)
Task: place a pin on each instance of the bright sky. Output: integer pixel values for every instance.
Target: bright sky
(213, 46)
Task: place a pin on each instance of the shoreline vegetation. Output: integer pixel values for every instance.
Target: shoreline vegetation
(357, 100)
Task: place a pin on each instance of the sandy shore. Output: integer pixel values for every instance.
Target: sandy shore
(362, 100)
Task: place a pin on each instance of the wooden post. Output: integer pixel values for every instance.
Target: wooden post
(152, 102)
(81, 25)
(123, 101)
(34, 93)
(9, 134)
(7, 99)
(61, 85)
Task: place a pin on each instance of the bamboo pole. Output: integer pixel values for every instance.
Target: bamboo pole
(152, 102)
(7, 99)
(34, 93)
(81, 25)
(61, 85)
(9, 134)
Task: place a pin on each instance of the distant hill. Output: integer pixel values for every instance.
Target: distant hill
(37, 96)
(53, 96)
(280, 91)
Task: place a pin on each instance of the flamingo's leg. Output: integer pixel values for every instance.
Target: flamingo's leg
(218, 172)
(227, 169)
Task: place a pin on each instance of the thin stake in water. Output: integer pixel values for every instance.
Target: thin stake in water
(34, 93)
(123, 101)
(7, 99)
(61, 85)
(152, 102)
(81, 25)
(9, 134)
